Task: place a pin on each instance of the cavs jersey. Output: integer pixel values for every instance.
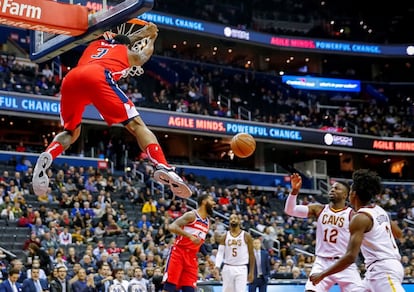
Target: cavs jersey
(379, 242)
(235, 250)
(332, 231)
(199, 227)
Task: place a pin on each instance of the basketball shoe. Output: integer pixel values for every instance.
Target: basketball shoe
(40, 179)
(167, 176)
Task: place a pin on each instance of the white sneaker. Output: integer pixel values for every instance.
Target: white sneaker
(167, 176)
(40, 179)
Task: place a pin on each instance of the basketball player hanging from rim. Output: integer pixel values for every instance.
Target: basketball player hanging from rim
(93, 81)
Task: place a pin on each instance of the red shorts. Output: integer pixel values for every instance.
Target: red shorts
(182, 268)
(92, 84)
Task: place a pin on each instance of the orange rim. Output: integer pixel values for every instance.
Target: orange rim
(137, 21)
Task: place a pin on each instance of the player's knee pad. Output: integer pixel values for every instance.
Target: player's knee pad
(169, 287)
(187, 289)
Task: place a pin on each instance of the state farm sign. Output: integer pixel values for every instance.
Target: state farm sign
(42, 15)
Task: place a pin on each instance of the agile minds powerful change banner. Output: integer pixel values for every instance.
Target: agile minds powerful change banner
(31, 105)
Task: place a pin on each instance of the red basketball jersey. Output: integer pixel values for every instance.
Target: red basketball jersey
(113, 57)
(199, 227)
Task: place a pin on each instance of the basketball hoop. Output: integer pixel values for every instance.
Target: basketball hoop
(130, 28)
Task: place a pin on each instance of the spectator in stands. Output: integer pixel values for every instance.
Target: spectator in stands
(70, 186)
(7, 214)
(157, 279)
(99, 231)
(32, 239)
(20, 147)
(250, 200)
(119, 279)
(73, 272)
(109, 211)
(18, 264)
(98, 211)
(77, 236)
(134, 243)
(59, 258)
(113, 248)
(76, 209)
(65, 220)
(48, 241)
(88, 264)
(78, 221)
(35, 283)
(103, 279)
(112, 228)
(123, 222)
(144, 221)
(173, 212)
(11, 284)
(138, 280)
(149, 207)
(60, 283)
(47, 72)
(23, 221)
(72, 257)
(84, 283)
(65, 237)
(7, 202)
(34, 251)
(36, 265)
(87, 209)
(160, 236)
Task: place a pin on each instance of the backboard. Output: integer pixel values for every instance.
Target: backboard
(103, 15)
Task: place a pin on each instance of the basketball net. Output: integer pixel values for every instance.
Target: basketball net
(130, 28)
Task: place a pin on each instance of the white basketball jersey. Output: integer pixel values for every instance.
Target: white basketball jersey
(332, 232)
(378, 243)
(235, 250)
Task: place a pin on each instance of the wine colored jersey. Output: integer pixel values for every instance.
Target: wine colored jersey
(199, 227)
(113, 57)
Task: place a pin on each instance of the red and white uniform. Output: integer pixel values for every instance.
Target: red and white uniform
(182, 264)
(332, 237)
(381, 254)
(93, 81)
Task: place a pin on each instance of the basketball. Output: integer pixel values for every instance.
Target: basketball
(243, 145)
